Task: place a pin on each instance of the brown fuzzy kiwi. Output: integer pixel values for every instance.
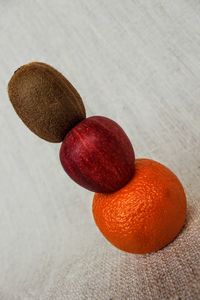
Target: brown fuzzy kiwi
(45, 101)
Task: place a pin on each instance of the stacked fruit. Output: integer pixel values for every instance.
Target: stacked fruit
(139, 205)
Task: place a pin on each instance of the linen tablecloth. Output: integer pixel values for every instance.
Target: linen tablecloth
(137, 62)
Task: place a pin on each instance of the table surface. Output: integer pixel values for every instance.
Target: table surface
(136, 62)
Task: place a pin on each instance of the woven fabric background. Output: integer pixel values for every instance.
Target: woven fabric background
(137, 62)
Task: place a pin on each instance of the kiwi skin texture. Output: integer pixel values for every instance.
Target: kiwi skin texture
(45, 101)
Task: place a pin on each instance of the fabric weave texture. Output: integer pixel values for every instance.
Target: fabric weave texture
(136, 62)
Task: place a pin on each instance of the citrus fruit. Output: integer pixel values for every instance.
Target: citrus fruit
(146, 214)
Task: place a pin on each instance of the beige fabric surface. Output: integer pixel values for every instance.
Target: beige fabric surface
(137, 62)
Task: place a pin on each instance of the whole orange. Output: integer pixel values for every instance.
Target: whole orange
(146, 214)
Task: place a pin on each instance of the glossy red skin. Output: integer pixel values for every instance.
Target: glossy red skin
(98, 155)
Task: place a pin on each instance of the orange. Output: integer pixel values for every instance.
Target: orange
(146, 214)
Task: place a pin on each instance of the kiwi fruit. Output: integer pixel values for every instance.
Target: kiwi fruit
(45, 101)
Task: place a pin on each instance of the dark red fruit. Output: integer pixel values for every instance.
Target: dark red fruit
(98, 155)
